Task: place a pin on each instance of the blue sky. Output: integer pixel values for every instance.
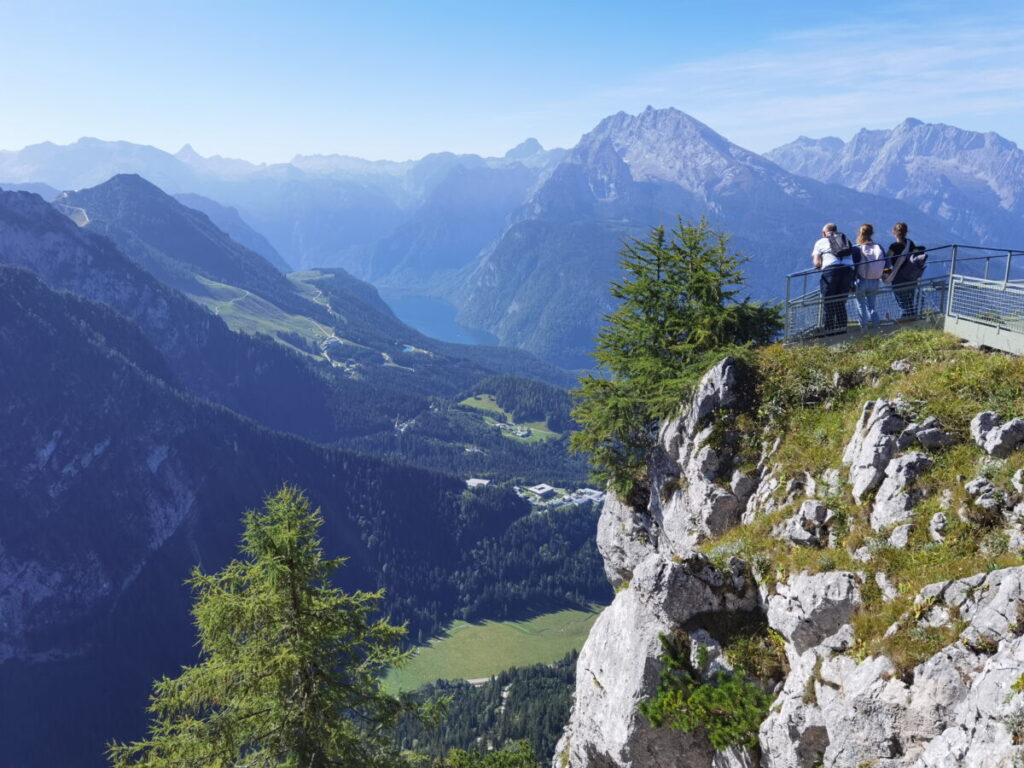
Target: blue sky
(266, 80)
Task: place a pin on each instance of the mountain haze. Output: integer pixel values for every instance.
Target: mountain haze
(231, 223)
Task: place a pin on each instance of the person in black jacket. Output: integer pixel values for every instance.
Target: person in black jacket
(902, 273)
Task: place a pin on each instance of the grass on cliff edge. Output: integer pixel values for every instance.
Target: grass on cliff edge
(473, 651)
(811, 397)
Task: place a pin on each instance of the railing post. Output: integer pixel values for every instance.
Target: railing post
(786, 323)
(949, 288)
(1006, 274)
(987, 260)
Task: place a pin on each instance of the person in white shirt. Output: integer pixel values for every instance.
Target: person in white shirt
(870, 261)
(836, 276)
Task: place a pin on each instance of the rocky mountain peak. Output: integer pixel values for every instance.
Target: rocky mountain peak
(669, 145)
(525, 149)
(188, 155)
(972, 180)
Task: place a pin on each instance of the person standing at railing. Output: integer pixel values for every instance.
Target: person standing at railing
(833, 255)
(906, 265)
(870, 261)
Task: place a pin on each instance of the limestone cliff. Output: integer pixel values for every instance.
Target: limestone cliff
(888, 576)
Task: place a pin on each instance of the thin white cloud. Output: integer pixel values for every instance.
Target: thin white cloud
(832, 81)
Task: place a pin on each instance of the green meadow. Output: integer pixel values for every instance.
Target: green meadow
(472, 651)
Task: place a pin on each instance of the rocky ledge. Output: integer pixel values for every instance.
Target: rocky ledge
(942, 684)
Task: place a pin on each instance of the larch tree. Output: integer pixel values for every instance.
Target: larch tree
(678, 309)
(290, 667)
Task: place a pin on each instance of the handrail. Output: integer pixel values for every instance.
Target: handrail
(997, 253)
(808, 315)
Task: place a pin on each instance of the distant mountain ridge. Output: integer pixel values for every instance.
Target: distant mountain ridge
(230, 221)
(543, 286)
(177, 243)
(973, 181)
(316, 211)
(524, 245)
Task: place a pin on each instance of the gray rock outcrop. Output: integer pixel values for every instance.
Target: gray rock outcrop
(835, 706)
(996, 438)
(897, 494)
(874, 443)
(691, 473)
(606, 728)
(623, 539)
(809, 527)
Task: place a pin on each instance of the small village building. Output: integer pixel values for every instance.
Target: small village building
(542, 490)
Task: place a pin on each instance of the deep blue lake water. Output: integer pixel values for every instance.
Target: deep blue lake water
(435, 318)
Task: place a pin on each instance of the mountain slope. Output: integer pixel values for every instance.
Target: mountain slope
(122, 483)
(972, 181)
(543, 287)
(232, 224)
(178, 244)
(252, 375)
(460, 217)
(45, 191)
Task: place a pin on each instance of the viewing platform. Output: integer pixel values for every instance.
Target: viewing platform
(974, 292)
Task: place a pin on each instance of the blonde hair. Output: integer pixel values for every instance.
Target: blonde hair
(900, 228)
(865, 233)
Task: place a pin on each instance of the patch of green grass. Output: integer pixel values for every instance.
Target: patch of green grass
(471, 651)
(486, 402)
(494, 414)
(812, 397)
(246, 312)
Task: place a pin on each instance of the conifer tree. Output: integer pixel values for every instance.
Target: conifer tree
(677, 311)
(289, 675)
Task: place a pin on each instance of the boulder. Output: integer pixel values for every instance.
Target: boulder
(900, 536)
(928, 434)
(888, 589)
(809, 527)
(897, 494)
(810, 607)
(875, 441)
(995, 438)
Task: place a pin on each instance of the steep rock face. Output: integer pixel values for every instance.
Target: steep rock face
(835, 706)
(607, 729)
(665, 586)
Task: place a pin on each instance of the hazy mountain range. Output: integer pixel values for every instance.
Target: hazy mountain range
(524, 245)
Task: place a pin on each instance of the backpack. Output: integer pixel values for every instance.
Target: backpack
(870, 259)
(913, 267)
(839, 245)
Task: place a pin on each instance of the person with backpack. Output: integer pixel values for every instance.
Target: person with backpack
(833, 255)
(869, 260)
(905, 262)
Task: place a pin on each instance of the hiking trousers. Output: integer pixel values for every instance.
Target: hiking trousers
(836, 282)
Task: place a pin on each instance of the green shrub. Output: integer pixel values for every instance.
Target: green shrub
(729, 707)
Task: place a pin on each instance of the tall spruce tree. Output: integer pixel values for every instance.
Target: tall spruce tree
(290, 667)
(678, 310)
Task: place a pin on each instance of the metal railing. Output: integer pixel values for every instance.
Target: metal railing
(972, 290)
